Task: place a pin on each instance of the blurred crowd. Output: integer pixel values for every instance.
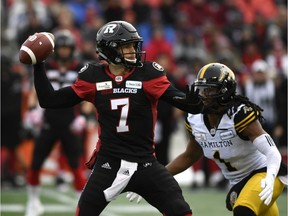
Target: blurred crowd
(249, 36)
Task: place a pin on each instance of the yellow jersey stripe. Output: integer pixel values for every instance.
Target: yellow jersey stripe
(245, 119)
(243, 126)
(188, 127)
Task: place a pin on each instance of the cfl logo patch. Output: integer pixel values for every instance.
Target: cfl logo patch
(110, 29)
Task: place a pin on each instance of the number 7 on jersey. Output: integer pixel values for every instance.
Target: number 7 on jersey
(123, 104)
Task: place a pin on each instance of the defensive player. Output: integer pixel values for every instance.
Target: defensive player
(57, 125)
(228, 130)
(125, 91)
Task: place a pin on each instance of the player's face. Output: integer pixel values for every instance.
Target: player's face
(207, 93)
(128, 51)
(64, 52)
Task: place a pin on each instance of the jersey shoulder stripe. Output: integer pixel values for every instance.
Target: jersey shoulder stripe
(245, 116)
(188, 126)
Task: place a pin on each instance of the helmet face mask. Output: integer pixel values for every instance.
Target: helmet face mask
(209, 91)
(216, 85)
(112, 37)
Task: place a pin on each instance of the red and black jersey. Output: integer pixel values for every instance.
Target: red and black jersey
(59, 79)
(126, 108)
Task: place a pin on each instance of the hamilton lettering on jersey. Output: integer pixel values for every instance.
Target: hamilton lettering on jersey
(125, 90)
(219, 144)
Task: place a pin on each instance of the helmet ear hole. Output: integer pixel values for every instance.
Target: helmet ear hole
(117, 59)
(223, 90)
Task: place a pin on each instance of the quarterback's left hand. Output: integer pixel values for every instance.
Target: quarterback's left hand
(268, 185)
(191, 99)
(131, 196)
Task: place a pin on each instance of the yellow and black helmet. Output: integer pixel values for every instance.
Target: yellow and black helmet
(218, 76)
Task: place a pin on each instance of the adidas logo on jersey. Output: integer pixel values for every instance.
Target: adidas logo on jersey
(126, 172)
(106, 166)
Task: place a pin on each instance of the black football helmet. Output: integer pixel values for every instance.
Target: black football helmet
(112, 36)
(64, 38)
(216, 84)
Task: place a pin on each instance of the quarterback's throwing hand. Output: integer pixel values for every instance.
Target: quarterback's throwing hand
(131, 196)
(268, 185)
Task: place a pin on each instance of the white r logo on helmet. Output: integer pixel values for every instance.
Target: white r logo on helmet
(110, 28)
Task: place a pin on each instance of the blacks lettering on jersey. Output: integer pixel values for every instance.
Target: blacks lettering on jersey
(124, 90)
(126, 108)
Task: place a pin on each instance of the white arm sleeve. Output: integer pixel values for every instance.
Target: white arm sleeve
(265, 144)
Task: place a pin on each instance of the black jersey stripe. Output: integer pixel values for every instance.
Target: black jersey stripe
(269, 140)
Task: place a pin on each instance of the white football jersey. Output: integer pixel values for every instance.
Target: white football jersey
(236, 156)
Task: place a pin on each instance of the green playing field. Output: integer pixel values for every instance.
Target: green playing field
(204, 202)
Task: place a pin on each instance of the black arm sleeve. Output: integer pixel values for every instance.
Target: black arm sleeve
(172, 96)
(170, 93)
(47, 96)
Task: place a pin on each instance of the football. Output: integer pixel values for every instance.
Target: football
(36, 48)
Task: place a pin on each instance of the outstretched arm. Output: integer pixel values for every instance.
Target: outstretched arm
(185, 160)
(189, 102)
(47, 96)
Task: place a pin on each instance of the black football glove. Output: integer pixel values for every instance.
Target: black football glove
(191, 100)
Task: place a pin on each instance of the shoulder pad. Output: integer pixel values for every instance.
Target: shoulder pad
(152, 70)
(245, 115)
(87, 73)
